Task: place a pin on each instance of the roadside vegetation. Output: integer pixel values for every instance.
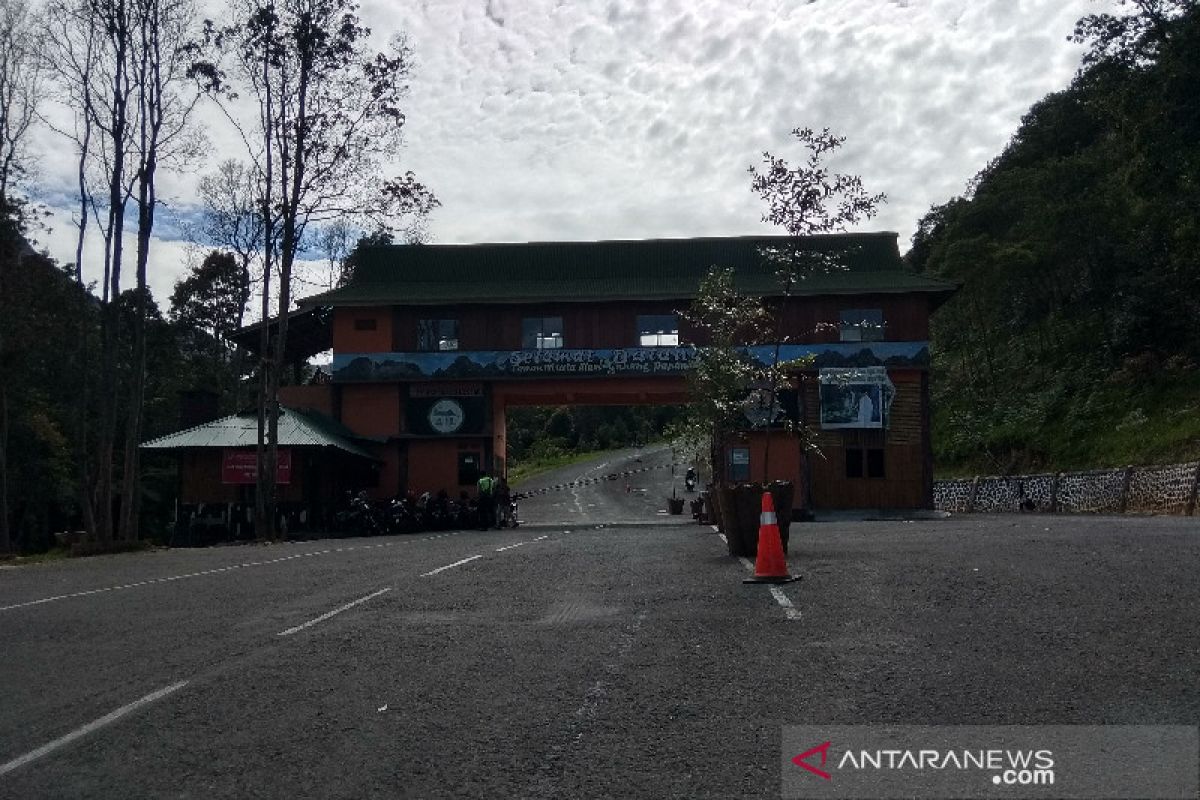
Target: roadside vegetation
(1073, 342)
(545, 438)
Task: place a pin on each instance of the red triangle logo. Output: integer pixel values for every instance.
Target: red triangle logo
(801, 760)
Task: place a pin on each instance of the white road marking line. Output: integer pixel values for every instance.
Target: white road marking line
(333, 613)
(509, 547)
(538, 539)
(214, 571)
(86, 729)
(449, 566)
(790, 610)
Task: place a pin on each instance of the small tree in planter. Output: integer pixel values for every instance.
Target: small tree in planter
(722, 378)
(805, 200)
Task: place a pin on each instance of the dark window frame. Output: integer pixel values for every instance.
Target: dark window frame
(743, 470)
(645, 329)
(865, 463)
(536, 338)
(859, 325)
(466, 478)
(433, 341)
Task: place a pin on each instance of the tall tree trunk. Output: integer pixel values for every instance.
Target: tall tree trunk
(149, 94)
(83, 478)
(118, 30)
(5, 535)
(7, 250)
(133, 421)
(264, 503)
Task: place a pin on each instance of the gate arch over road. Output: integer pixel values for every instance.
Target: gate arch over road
(432, 343)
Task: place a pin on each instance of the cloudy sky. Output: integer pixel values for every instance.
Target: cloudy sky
(575, 120)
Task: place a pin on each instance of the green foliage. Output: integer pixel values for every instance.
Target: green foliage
(545, 435)
(43, 316)
(722, 375)
(212, 297)
(1076, 250)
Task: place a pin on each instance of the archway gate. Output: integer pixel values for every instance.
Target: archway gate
(432, 345)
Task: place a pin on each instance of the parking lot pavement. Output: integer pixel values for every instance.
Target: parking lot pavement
(621, 662)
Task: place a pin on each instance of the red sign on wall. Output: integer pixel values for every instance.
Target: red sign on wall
(241, 466)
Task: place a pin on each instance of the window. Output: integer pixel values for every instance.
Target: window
(541, 333)
(469, 470)
(862, 324)
(437, 334)
(739, 463)
(365, 324)
(864, 462)
(658, 330)
(875, 463)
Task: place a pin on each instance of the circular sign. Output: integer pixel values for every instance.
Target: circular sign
(761, 407)
(446, 416)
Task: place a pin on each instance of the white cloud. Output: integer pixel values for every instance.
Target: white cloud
(537, 119)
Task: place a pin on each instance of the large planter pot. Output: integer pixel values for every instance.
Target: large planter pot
(714, 507)
(741, 512)
(675, 505)
(728, 519)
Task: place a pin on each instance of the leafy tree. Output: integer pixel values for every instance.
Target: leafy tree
(211, 298)
(1075, 248)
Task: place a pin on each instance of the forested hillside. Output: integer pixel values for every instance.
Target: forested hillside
(1075, 338)
(49, 338)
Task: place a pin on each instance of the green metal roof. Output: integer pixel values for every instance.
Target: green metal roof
(296, 429)
(668, 269)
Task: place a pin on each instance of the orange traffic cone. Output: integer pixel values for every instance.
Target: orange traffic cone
(770, 566)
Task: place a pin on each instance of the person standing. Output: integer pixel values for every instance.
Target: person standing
(487, 502)
(504, 518)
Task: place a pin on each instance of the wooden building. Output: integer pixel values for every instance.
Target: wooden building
(432, 343)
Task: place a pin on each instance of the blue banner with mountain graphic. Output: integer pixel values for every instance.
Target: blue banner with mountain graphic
(632, 361)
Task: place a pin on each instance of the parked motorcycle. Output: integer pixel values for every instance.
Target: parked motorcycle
(359, 517)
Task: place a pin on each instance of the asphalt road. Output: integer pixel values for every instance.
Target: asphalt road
(625, 486)
(625, 661)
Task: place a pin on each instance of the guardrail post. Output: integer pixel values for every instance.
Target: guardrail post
(974, 494)
(1191, 503)
(1123, 504)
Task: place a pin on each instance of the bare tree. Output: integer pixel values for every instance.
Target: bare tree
(335, 241)
(70, 52)
(121, 67)
(165, 96)
(327, 110)
(21, 89)
(806, 200)
(20, 95)
(232, 202)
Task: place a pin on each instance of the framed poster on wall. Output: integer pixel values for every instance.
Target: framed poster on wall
(855, 397)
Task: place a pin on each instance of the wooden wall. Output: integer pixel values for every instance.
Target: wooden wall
(905, 443)
(349, 338)
(607, 325)
(372, 409)
(201, 478)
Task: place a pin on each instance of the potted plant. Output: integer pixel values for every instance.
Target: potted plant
(674, 504)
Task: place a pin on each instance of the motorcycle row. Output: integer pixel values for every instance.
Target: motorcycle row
(360, 516)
